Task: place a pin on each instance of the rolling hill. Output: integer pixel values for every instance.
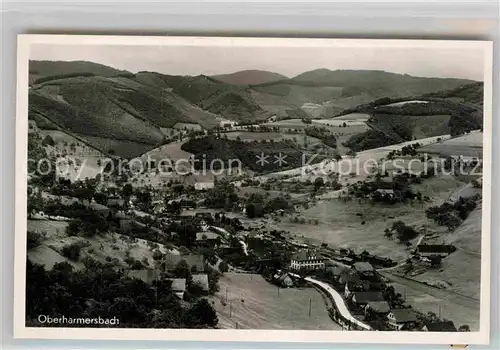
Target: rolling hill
(454, 112)
(42, 69)
(108, 105)
(339, 90)
(250, 77)
(117, 108)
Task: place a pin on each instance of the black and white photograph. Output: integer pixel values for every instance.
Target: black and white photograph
(313, 187)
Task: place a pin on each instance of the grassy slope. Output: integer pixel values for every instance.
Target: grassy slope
(462, 269)
(227, 101)
(113, 245)
(117, 109)
(420, 126)
(339, 224)
(451, 111)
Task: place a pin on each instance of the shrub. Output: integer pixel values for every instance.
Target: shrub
(48, 141)
(72, 251)
(223, 266)
(404, 232)
(34, 239)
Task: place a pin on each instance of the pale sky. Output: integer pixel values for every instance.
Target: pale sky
(289, 61)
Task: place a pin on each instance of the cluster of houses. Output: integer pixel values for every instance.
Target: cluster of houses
(195, 263)
(363, 289)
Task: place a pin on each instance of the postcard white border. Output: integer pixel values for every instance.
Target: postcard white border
(20, 329)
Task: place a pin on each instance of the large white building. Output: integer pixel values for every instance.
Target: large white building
(307, 260)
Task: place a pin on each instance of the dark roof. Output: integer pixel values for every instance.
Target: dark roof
(145, 275)
(441, 326)
(195, 260)
(284, 276)
(366, 297)
(435, 248)
(363, 267)
(404, 315)
(178, 284)
(379, 306)
(307, 255)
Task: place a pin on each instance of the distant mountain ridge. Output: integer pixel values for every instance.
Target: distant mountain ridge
(250, 77)
(92, 99)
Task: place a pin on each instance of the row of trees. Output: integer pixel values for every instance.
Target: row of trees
(323, 134)
(451, 215)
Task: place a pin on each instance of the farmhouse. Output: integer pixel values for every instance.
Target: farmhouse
(200, 186)
(402, 319)
(440, 326)
(378, 307)
(307, 260)
(363, 268)
(283, 279)
(188, 126)
(178, 286)
(363, 298)
(356, 285)
(442, 250)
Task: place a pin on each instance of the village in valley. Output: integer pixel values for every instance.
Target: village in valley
(272, 243)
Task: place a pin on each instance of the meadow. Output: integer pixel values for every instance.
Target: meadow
(253, 303)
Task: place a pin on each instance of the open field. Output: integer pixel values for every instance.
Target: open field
(340, 225)
(461, 310)
(470, 145)
(253, 303)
